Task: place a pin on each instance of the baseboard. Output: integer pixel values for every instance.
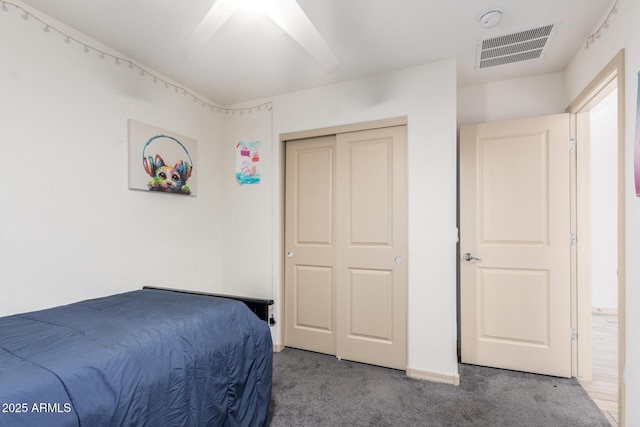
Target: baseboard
(604, 310)
(277, 348)
(453, 379)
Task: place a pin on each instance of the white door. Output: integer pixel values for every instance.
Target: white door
(372, 247)
(346, 243)
(515, 244)
(310, 242)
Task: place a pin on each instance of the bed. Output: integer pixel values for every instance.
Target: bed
(148, 357)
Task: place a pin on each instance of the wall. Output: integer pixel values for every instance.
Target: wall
(70, 228)
(536, 96)
(426, 95)
(604, 199)
(623, 33)
(248, 215)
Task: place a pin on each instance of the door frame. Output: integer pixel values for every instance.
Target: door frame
(611, 76)
(312, 133)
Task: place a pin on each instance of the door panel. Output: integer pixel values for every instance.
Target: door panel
(514, 314)
(310, 241)
(314, 194)
(372, 247)
(369, 188)
(371, 289)
(514, 189)
(515, 217)
(314, 298)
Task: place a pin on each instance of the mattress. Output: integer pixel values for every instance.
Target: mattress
(147, 357)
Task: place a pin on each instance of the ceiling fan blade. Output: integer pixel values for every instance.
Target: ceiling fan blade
(210, 24)
(292, 19)
(286, 13)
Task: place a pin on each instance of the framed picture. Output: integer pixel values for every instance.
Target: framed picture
(161, 161)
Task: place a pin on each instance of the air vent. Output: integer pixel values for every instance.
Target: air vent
(517, 47)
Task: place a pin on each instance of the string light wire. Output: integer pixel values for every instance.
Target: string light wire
(605, 24)
(117, 60)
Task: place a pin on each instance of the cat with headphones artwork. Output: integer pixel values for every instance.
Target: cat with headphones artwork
(161, 161)
(167, 178)
(172, 179)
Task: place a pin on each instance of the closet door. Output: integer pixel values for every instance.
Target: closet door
(310, 244)
(346, 243)
(372, 247)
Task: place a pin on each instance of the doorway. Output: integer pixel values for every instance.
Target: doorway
(610, 78)
(598, 129)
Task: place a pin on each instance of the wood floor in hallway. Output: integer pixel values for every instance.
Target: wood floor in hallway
(603, 389)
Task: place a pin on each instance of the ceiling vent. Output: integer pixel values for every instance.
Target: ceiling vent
(517, 47)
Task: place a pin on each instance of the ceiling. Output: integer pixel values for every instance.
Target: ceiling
(251, 57)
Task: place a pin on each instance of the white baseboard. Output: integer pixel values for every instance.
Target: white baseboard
(604, 310)
(453, 379)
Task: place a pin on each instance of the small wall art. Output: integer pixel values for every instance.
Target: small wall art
(248, 162)
(161, 161)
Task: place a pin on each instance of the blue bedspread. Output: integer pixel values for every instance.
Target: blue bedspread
(142, 358)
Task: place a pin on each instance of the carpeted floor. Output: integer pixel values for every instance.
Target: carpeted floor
(311, 389)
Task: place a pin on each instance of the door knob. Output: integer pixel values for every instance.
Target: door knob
(469, 257)
(289, 254)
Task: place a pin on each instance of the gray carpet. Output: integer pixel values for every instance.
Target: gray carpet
(311, 389)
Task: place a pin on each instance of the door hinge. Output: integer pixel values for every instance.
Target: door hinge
(572, 239)
(572, 144)
(573, 335)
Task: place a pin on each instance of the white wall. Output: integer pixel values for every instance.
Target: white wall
(248, 212)
(70, 228)
(623, 33)
(427, 96)
(604, 200)
(512, 99)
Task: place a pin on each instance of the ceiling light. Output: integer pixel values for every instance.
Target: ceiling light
(253, 6)
(491, 18)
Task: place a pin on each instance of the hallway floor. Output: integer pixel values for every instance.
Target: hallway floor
(603, 388)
